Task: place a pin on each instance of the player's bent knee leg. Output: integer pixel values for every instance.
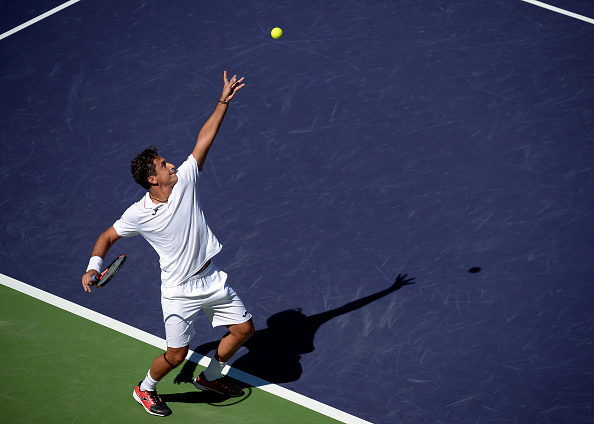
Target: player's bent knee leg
(176, 356)
(246, 330)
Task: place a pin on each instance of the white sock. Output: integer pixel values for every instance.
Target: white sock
(148, 384)
(213, 371)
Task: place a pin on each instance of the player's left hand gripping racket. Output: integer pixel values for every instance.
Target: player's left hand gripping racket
(108, 273)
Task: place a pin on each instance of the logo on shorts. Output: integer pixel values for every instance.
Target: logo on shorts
(245, 314)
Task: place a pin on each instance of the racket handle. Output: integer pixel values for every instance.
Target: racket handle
(95, 278)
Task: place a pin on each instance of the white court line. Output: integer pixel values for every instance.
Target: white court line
(37, 19)
(150, 339)
(558, 10)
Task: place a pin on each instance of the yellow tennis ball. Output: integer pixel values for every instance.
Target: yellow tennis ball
(276, 33)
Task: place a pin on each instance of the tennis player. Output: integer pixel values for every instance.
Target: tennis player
(171, 219)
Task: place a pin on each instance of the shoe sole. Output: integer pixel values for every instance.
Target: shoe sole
(145, 408)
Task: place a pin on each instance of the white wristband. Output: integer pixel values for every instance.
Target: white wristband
(95, 263)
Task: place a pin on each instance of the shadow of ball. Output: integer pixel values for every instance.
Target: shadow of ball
(474, 270)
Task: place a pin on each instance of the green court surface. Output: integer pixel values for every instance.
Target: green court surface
(58, 367)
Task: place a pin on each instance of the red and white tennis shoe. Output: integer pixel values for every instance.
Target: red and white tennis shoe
(151, 401)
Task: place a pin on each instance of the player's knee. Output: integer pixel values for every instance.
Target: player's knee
(247, 330)
(242, 332)
(177, 361)
(175, 357)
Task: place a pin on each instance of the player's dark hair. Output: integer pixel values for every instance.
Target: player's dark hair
(143, 166)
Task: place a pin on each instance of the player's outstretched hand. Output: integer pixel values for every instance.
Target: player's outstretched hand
(230, 87)
(401, 281)
(86, 279)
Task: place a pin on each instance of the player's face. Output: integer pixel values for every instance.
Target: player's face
(165, 172)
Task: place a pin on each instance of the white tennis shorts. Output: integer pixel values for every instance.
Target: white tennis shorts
(208, 292)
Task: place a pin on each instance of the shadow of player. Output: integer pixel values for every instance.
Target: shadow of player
(274, 353)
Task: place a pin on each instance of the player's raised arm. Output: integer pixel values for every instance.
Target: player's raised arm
(211, 127)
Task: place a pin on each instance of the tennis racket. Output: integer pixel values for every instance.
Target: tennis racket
(108, 273)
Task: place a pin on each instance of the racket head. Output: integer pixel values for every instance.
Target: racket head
(110, 272)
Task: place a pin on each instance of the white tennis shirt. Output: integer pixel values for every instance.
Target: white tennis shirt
(177, 230)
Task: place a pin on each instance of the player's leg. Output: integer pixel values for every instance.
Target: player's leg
(178, 314)
(163, 364)
(224, 308)
(210, 378)
(146, 391)
(237, 335)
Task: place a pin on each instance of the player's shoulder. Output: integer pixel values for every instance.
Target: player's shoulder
(189, 162)
(189, 168)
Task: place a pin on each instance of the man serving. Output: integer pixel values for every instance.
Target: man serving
(170, 217)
